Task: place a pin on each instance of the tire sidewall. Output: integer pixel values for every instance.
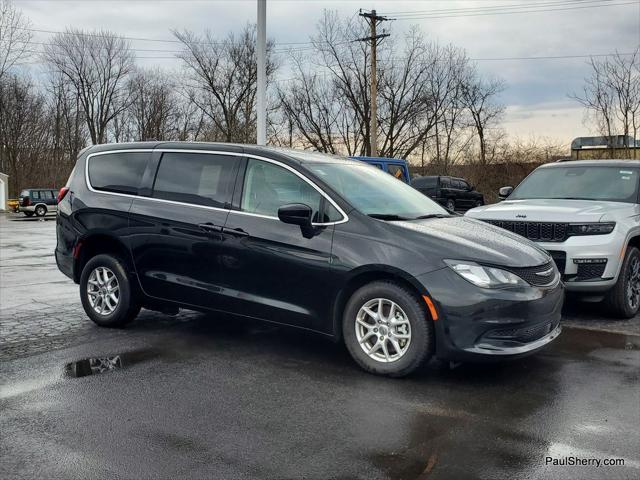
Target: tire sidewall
(119, 315)
(420, 347)
(626, 278)
(451, 205)
(40, 211)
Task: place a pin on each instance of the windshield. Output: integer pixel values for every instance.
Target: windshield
(376, 193)
(615, 184)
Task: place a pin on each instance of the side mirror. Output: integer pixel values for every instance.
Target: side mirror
(296, 214)
(504, 192)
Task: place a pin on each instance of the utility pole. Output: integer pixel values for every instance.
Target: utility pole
(373, 20)
(261, 54)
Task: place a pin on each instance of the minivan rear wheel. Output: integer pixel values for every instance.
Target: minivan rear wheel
(387, 330)
(623, 300)
(106, 292)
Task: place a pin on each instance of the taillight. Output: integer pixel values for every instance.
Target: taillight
(62, 193)
(26, 202)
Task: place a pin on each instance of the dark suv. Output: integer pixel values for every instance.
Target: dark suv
(453, 193)
(305, 239)
(37, 201)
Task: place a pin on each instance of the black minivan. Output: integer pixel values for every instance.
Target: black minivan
(305, 239)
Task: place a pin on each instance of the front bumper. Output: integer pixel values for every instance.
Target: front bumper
(607, 247)
(487, 324)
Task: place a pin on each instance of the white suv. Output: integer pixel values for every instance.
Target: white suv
(586, 214)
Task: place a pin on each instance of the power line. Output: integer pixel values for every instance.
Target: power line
(426, 17)
(557, 3)
(142, 39)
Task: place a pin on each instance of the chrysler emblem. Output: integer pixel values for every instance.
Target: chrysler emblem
(545, 273)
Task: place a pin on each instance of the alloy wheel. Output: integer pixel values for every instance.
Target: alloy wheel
(103, 291)
(633, 283)
(383, 330)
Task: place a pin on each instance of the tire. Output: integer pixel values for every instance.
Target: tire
(451, 205)
(623, 300)
(28, 214)
(127, 306)
(41, 211)
(479, 203)
(415, 351)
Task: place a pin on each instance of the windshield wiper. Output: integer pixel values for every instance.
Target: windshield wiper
(433, 215)
(387, 216)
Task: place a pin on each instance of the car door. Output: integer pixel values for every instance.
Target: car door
(277, 271)
(464, 193)
(176, 228)
(458, 193)
(50, 200)
(397, 171)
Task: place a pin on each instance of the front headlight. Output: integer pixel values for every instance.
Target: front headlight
(591, 228)
(485, 277)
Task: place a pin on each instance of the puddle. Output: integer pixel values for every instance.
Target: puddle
(97, 365)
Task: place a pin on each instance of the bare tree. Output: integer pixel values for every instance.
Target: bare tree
(222, 77)
(97, 65)
(153, 105)
(478, 95)
(14, 36)
(24, 132)
(611, 95)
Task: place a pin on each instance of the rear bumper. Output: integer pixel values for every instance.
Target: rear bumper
(479, 324)
(65, 263)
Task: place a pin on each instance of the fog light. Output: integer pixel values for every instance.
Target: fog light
(578, 261)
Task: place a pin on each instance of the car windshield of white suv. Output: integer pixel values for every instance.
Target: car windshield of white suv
(603, 183)
(376, 193)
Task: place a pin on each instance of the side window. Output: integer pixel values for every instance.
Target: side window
(198, 178)
(465, 186)
(35, 195)
(445, 182)
(267, 187)
(46, 194)
(397, 171)
(117, 172)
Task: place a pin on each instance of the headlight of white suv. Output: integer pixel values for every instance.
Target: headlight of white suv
(485, 277)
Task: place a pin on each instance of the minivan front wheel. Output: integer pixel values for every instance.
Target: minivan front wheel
(107, 292)
(387, 330)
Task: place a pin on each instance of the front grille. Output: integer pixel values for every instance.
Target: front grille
(589, 271)
(525, 334)
(537, 276)
(560, 258)
(539, 231)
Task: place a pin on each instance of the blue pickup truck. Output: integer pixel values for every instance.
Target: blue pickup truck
(393, 166)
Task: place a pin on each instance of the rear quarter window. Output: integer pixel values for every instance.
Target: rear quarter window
(119, 172)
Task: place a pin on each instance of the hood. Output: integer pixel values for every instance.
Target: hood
(548, 210)
(461, 238)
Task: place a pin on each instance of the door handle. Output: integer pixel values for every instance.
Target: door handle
(210, 227)
(238, 232)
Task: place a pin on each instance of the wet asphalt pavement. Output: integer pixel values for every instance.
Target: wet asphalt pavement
(213, 396)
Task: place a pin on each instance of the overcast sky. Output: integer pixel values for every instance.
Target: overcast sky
(537, 90)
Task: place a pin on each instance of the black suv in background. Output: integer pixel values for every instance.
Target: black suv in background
(38, 201)
(314, 241)
(453, 193)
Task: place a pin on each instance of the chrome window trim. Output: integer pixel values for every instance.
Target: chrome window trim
(345, 217)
